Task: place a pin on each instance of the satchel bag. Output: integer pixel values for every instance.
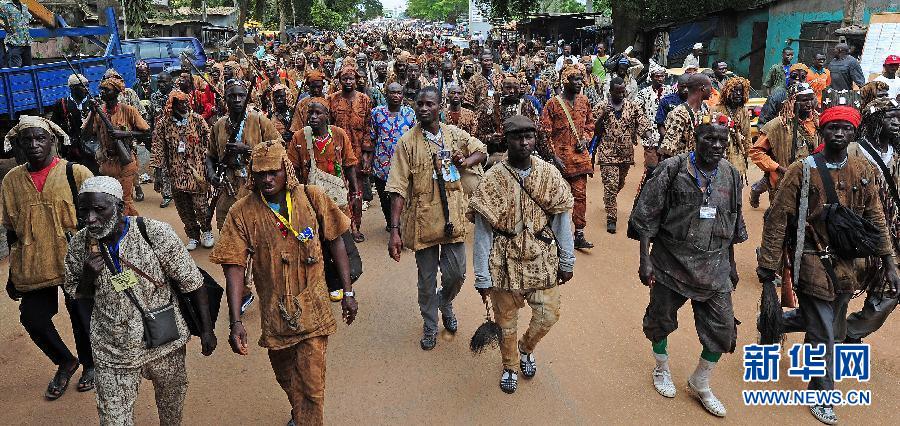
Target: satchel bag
(334, 186)
(332, 275)
(189, 310)
(850, 236)
(159, 324)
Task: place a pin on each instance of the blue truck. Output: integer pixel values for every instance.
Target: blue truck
(34, 88)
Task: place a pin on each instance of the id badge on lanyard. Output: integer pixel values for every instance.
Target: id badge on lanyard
(707, 212)
(449, 171)
(182, 146)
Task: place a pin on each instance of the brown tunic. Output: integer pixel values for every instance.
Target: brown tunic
(355, 117)
(856, 186)
(281, 272)
(562, 142)
(337, 152)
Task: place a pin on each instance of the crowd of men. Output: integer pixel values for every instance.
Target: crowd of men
(283, 148)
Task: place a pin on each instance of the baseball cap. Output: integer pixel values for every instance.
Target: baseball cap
(892, 59)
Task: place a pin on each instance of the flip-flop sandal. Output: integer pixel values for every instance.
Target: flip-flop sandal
(358, 238)
(86, 382)
(55, 390)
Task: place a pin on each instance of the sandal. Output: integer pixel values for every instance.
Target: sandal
(86, 382)
(824, 414)
(56, 388)
(527, 364)
(509, 381)
(359, 237)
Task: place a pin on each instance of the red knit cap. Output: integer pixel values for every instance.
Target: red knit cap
(840, 113)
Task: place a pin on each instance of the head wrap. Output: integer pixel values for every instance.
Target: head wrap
(511, 77)
(799, 66)
(142, 65)
(698, 46)
(403, 57)
(29, 121)
(113, 84)
(76, 79)
(567, 71)
(879, 105)
(734, 84)
(235, 82)
(318, 100)
(655, 68)
(518, 123)
(347, 67)
(111, 73)
(278, 87)
(104, 185)
(869, 91)
(314, 75)
(800, 89)
(840, 113)
(175, 94)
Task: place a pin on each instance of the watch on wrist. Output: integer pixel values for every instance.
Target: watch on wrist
(349, 294)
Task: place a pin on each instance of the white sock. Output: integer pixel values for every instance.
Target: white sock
(662, 361)
(702, 373)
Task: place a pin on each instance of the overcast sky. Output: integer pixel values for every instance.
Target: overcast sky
(393, 4)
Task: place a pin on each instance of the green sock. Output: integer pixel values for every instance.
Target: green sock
(660, 347)
(710, 356)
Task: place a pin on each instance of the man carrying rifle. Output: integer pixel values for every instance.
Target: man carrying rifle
(233, 136)
(116, 126)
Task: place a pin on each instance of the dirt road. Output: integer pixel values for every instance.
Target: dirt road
(593, 368)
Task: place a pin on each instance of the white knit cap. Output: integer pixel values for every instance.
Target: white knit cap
(102, 184)
(76, 79)
(698, 45)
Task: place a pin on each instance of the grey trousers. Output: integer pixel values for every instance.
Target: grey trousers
(872, 316)
(823, 322)
(451, 259)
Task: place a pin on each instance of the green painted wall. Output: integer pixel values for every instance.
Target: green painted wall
(732, 48)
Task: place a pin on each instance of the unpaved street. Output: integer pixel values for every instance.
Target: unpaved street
(593, 368)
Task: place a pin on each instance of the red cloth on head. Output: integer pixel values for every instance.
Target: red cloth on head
(840, 113)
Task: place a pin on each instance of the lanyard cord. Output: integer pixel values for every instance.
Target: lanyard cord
(114, 250)
(290, 208)
(709, 178)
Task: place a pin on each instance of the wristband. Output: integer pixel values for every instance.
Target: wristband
(235, 322)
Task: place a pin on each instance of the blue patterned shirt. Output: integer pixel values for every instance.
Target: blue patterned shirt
(15, 22)
(386, 131)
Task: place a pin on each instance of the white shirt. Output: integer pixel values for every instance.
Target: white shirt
(893, 85)
(560, 60)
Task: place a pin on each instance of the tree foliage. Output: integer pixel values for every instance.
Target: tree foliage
(437, 10)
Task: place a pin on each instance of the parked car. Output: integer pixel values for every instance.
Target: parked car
(164, 52)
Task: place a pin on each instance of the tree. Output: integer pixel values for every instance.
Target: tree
(437, 10)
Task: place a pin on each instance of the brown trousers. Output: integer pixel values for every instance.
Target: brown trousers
(613, 177)
(192, 210)
(300, 370)
(544, 313)
(578, 185)
(125, 175)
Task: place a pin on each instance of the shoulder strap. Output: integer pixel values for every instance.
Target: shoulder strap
(888, 179)
(142, 226)
(70, 176)
(307, 132)
(525, 190)
(565, 109)
(827, 182)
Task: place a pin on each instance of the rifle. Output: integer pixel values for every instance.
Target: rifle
(221, 167)
(124, 153)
